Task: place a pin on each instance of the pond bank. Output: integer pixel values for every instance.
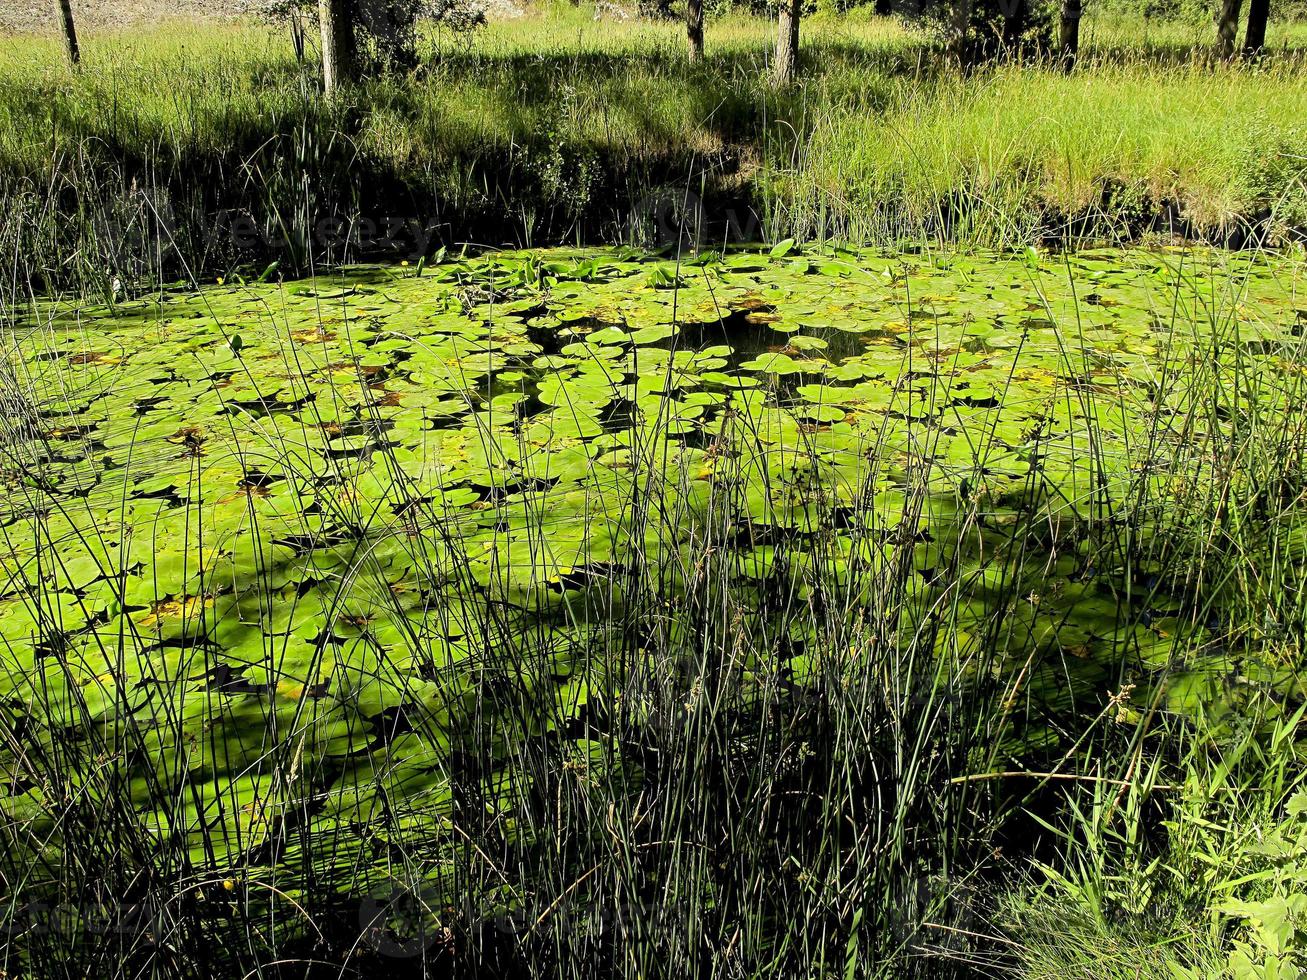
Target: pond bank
(564, 130)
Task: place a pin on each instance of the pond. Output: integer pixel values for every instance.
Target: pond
(318, 527)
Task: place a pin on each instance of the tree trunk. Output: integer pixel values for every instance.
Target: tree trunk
(1254, 38)
(1227, 26)
(959, 29)
(1014, 28)
(1068, 35)
(70, 32)
(694, 29)
(297, 35)
(787, 43)
(337, 18)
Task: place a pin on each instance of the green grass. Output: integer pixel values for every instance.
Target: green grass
(1214, 888)
(554, 128)
(1031, 148)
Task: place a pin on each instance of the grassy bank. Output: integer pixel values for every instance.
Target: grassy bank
(561, 128)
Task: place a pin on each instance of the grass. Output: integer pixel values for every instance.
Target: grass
(1032, 149)
(1212, 894)
(559, 128)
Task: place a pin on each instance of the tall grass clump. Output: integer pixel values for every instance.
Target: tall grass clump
(1187, 861)
(1021, 153)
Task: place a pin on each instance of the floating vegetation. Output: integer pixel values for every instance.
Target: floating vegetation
(293, 550)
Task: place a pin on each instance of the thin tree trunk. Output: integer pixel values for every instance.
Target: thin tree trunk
(959, 28)
(787, 43)
(297, 35)
(694, 28)
(1227, 27)
(1254, 39)
(1068, 35)
(70, 32)
(337, 43)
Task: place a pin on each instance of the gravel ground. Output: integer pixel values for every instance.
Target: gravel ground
(39, 16)
(24, 16)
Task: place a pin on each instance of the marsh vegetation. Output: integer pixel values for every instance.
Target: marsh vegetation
(919, 593)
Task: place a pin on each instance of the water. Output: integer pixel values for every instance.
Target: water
(318, 518)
